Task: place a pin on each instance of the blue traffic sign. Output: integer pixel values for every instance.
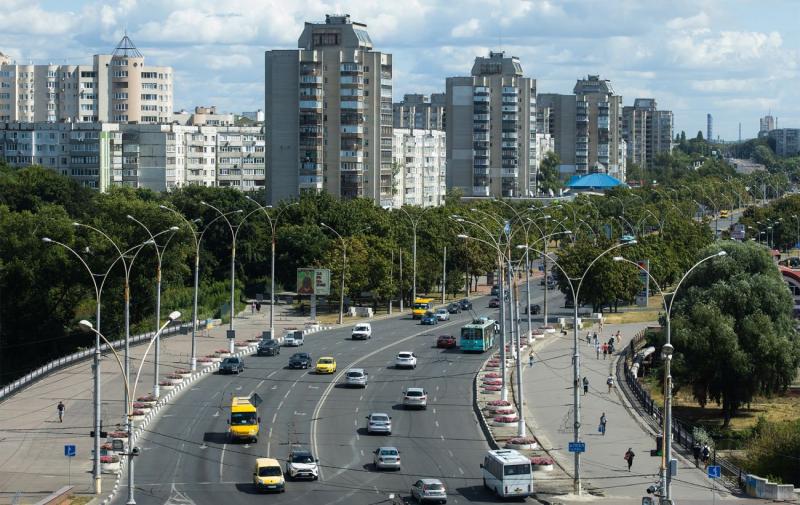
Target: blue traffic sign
(69, 451)
(577, 447)
(714, 472)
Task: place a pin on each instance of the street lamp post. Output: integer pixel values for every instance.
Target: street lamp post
(414, 223)
(344, 266)
(129, 392)
(667, 352)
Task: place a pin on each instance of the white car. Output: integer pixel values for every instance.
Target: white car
(405, 359)
(302, 465)
(415, 398)
(442, 315)
(362, 331)
(356, 377)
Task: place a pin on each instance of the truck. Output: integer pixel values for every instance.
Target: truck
(244, 421)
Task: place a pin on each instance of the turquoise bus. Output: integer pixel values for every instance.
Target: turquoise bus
(478, 336)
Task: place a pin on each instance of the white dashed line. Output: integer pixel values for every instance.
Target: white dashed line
(442, 436)
(356, 410)
(437, 423)
(362, 452)
(450, 453)
(280, 405)
(461, 471)
(434, 411)
(437, 388)
(274, 416)
(271, 374)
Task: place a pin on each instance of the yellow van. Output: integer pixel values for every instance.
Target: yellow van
(421, 306)
(244, 421)
(268, 476)
(724, 214)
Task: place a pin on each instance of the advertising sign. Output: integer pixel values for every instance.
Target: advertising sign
(644, 294)
(305, 281)
(322, 282)
(311, 281)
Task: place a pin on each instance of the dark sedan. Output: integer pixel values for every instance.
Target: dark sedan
(535, 309)
(494, 303)
(454, 308)
(429, 318)
(465, 304)
(300, 360)
(446, 341)
(268, 347)
(231, 365)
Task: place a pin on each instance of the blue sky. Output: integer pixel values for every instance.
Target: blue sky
(737, 59)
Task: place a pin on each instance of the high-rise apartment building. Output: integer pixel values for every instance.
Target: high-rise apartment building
(328, 114)
(421, 111)
(116, 88)
(421, 158)
(709, 127)
(597, 129)
(647, 131)
(491, 129)
(787, 141)
(765, 125)
(556, 116)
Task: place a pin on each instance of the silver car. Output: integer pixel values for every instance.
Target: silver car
(429, 490)
(415, 398)
(442, 315)
(356, 377)
(378, 422)
(386, 458)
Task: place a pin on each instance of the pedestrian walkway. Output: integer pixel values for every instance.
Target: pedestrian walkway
(604, 470)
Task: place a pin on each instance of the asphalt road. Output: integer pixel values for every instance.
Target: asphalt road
(186, 457)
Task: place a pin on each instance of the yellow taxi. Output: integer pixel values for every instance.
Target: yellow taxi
(326, 364)
(268, 475)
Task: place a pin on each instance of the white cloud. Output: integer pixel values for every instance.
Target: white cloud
(700, 21)
(230, 61)
(468, 29)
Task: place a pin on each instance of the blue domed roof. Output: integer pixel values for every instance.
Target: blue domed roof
(594, 181)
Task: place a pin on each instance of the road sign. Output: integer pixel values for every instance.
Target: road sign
(714, 472)
(577, 447)
(69, 451)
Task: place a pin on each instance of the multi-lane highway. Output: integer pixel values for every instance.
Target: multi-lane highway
(187, 457)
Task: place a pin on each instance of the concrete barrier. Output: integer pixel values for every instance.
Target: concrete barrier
(759, 487)
(58, 497)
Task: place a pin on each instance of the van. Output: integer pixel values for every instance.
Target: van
(421, 306)
(244, 421)
(268, 476)
(507, 473)
(294, 339)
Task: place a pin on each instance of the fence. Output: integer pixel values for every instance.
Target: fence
(42, 371)
(682, 432)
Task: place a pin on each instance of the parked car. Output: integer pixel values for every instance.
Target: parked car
(293, 339)
(356, 377)
(405, 359)
(326, 364)
(454, 308)
(378, 422)
(362, 331)
(386, 458)
(302, 464)
(415, 398)
(442, 315)
(268, 347)
(429, 318)
(495, 290)
(465, 304)
(494, 303)
(231, 365)
(446, 341)
(300, 360)
(534, 309)
(429, 490)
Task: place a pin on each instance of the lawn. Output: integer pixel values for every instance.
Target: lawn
(635, 314)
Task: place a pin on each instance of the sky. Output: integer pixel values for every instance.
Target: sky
(735, 59)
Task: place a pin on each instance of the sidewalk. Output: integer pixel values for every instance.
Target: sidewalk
(604, 473)
(32, 461)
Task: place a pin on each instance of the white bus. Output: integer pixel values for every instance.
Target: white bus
(507, 473)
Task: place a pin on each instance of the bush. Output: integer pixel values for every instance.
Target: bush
(773, 451)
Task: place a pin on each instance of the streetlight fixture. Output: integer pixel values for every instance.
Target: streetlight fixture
(130, 392)
(344, 266)
(414, 223)
(667, 352)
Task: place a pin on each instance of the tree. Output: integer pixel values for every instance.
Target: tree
(549, 179)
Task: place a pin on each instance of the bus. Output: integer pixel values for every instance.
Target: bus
(421, 306)
(724, 214)
(478, 336)
(244, 422)
(507, 473)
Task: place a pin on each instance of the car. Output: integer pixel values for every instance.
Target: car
(550, 279)
(356, 377)
(446, 341)
(267, 475)
(494, 303)
(386, 458)
(465, 304)
(495, 290)
(534, 309)
(300, 360)
(454, 308)
(429, 490)
(293, 339)
(268, 347)
(362, 331)
(231, 365)
(326, 364)
(429, 318)
(405, 359)
(627, 238)
(415, 398)
(552, 285)
(301, 464)
(378, 422)
(442, 315)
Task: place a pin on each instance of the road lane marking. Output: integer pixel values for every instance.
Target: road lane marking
(299, 413)
(215, 394)
(450, 453)
(274, 416)
(271, 374)
(362, 452)
(360, 397)
(312, 387)
(274, 387)
(442, 436)
(221, 458)
(437, 423)
(280, 405)
(434, 411)
(269, 444)
(460, 470)
(269, 435)
(216, 414)
(356, 410)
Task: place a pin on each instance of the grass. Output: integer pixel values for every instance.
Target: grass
(636, 314)
(79, 500)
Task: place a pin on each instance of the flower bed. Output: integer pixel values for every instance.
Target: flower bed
(241, 343)
(149, 399)
(138, 415)
(491, 389)
(499, 403)
(118, 434)
(222, 353)
(493, 382)
(253, 340)
(142, 406)
(541, 464)
(505, 411)
(492, 375)
(506, 420)
(109, 464)
(183, 372)
(522, 443)
(166, 385)
(493, 365)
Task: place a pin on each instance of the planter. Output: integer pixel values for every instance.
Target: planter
(493, 366)
(183, 372)
(243, 345)
(166, 385)
(492, 375)
(148, 400)
(493, 382)
(109, 464)
(541, 464)
(498, 403)
(548, 329)
(123, 435)
(213, 357)
(507, 420)
(174, 378)
(142, 406)
(492, 389)
(253, 340)
(525, 443)
(222, 353)
(505, 411)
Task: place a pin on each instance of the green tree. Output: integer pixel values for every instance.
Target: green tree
(549, 178)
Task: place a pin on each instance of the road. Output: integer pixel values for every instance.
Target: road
(186, 457)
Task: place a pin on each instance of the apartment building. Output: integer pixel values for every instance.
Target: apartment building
(158, 157)
(766, 124)
(787, 141)
(421, 111)
(647, 131)
(597, 130)
(115, 88)
(556, 116)
(491, 129)
(420, 156)
(204, 116)
(328, 114)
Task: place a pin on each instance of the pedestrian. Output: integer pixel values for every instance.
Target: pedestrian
(61, 409)
(696, 453)
(618, 337)
(610, 382)
(530, 360)
(602, 427)
(605, 350)
(258, 307)
(705, 452)
(585, 385)
(597, 349)
(588, 338)
(601, 325)
(629, 455)
(252, 307)
(594, 339)
(610, 349)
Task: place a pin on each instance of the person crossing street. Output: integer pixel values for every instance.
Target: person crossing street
(61, 409)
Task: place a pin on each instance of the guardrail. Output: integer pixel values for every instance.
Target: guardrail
(42, 371)
(682, 432)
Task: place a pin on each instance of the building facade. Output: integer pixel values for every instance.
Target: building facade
(556, 116)
(421, 111)
(709, 127)
(647, 131)
(328, 114)
(204, 116)
(787, 141)
(420, 157)
(115, 88)
(597, 128)
(765, 125)
(491, 129)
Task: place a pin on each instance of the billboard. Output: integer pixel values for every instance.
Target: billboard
(313, 281)
(644, 294)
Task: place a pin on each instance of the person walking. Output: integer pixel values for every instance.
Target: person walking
(696, 453)
(618, 337)
(705, 452)
(588, 338)
(629, 455)
(602, 427)
(597, 349)
(610, 382)
(530, 360)
(605, 350)
(252, 307)
(585, 385)
(594, 338)
(61, 409)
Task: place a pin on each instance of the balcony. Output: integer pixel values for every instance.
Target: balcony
(349, 129)
(481, 98)
(352, 155)
(480, 118)
(352, 105)
(510, 135)
(310, 104)
(480, 191)
(509, 172)
(480, 137)
(310, 79)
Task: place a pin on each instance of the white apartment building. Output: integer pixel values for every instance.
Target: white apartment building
(204, 116)
(420, 156)
(115, 88)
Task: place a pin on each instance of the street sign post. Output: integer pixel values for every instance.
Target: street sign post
(577, 447)
(69, 452)
(714, 472)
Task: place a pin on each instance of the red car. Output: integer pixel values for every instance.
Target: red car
(494, 303)
(446, 341)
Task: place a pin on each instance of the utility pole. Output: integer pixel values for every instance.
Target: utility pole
(444, 274)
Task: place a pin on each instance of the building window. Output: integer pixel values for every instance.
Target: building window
(325, 39)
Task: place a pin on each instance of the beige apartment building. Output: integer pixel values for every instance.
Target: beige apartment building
(647, 131)
(491, 129)
(421, 111)
(115, 88)
(421, 160)
(328, 114)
